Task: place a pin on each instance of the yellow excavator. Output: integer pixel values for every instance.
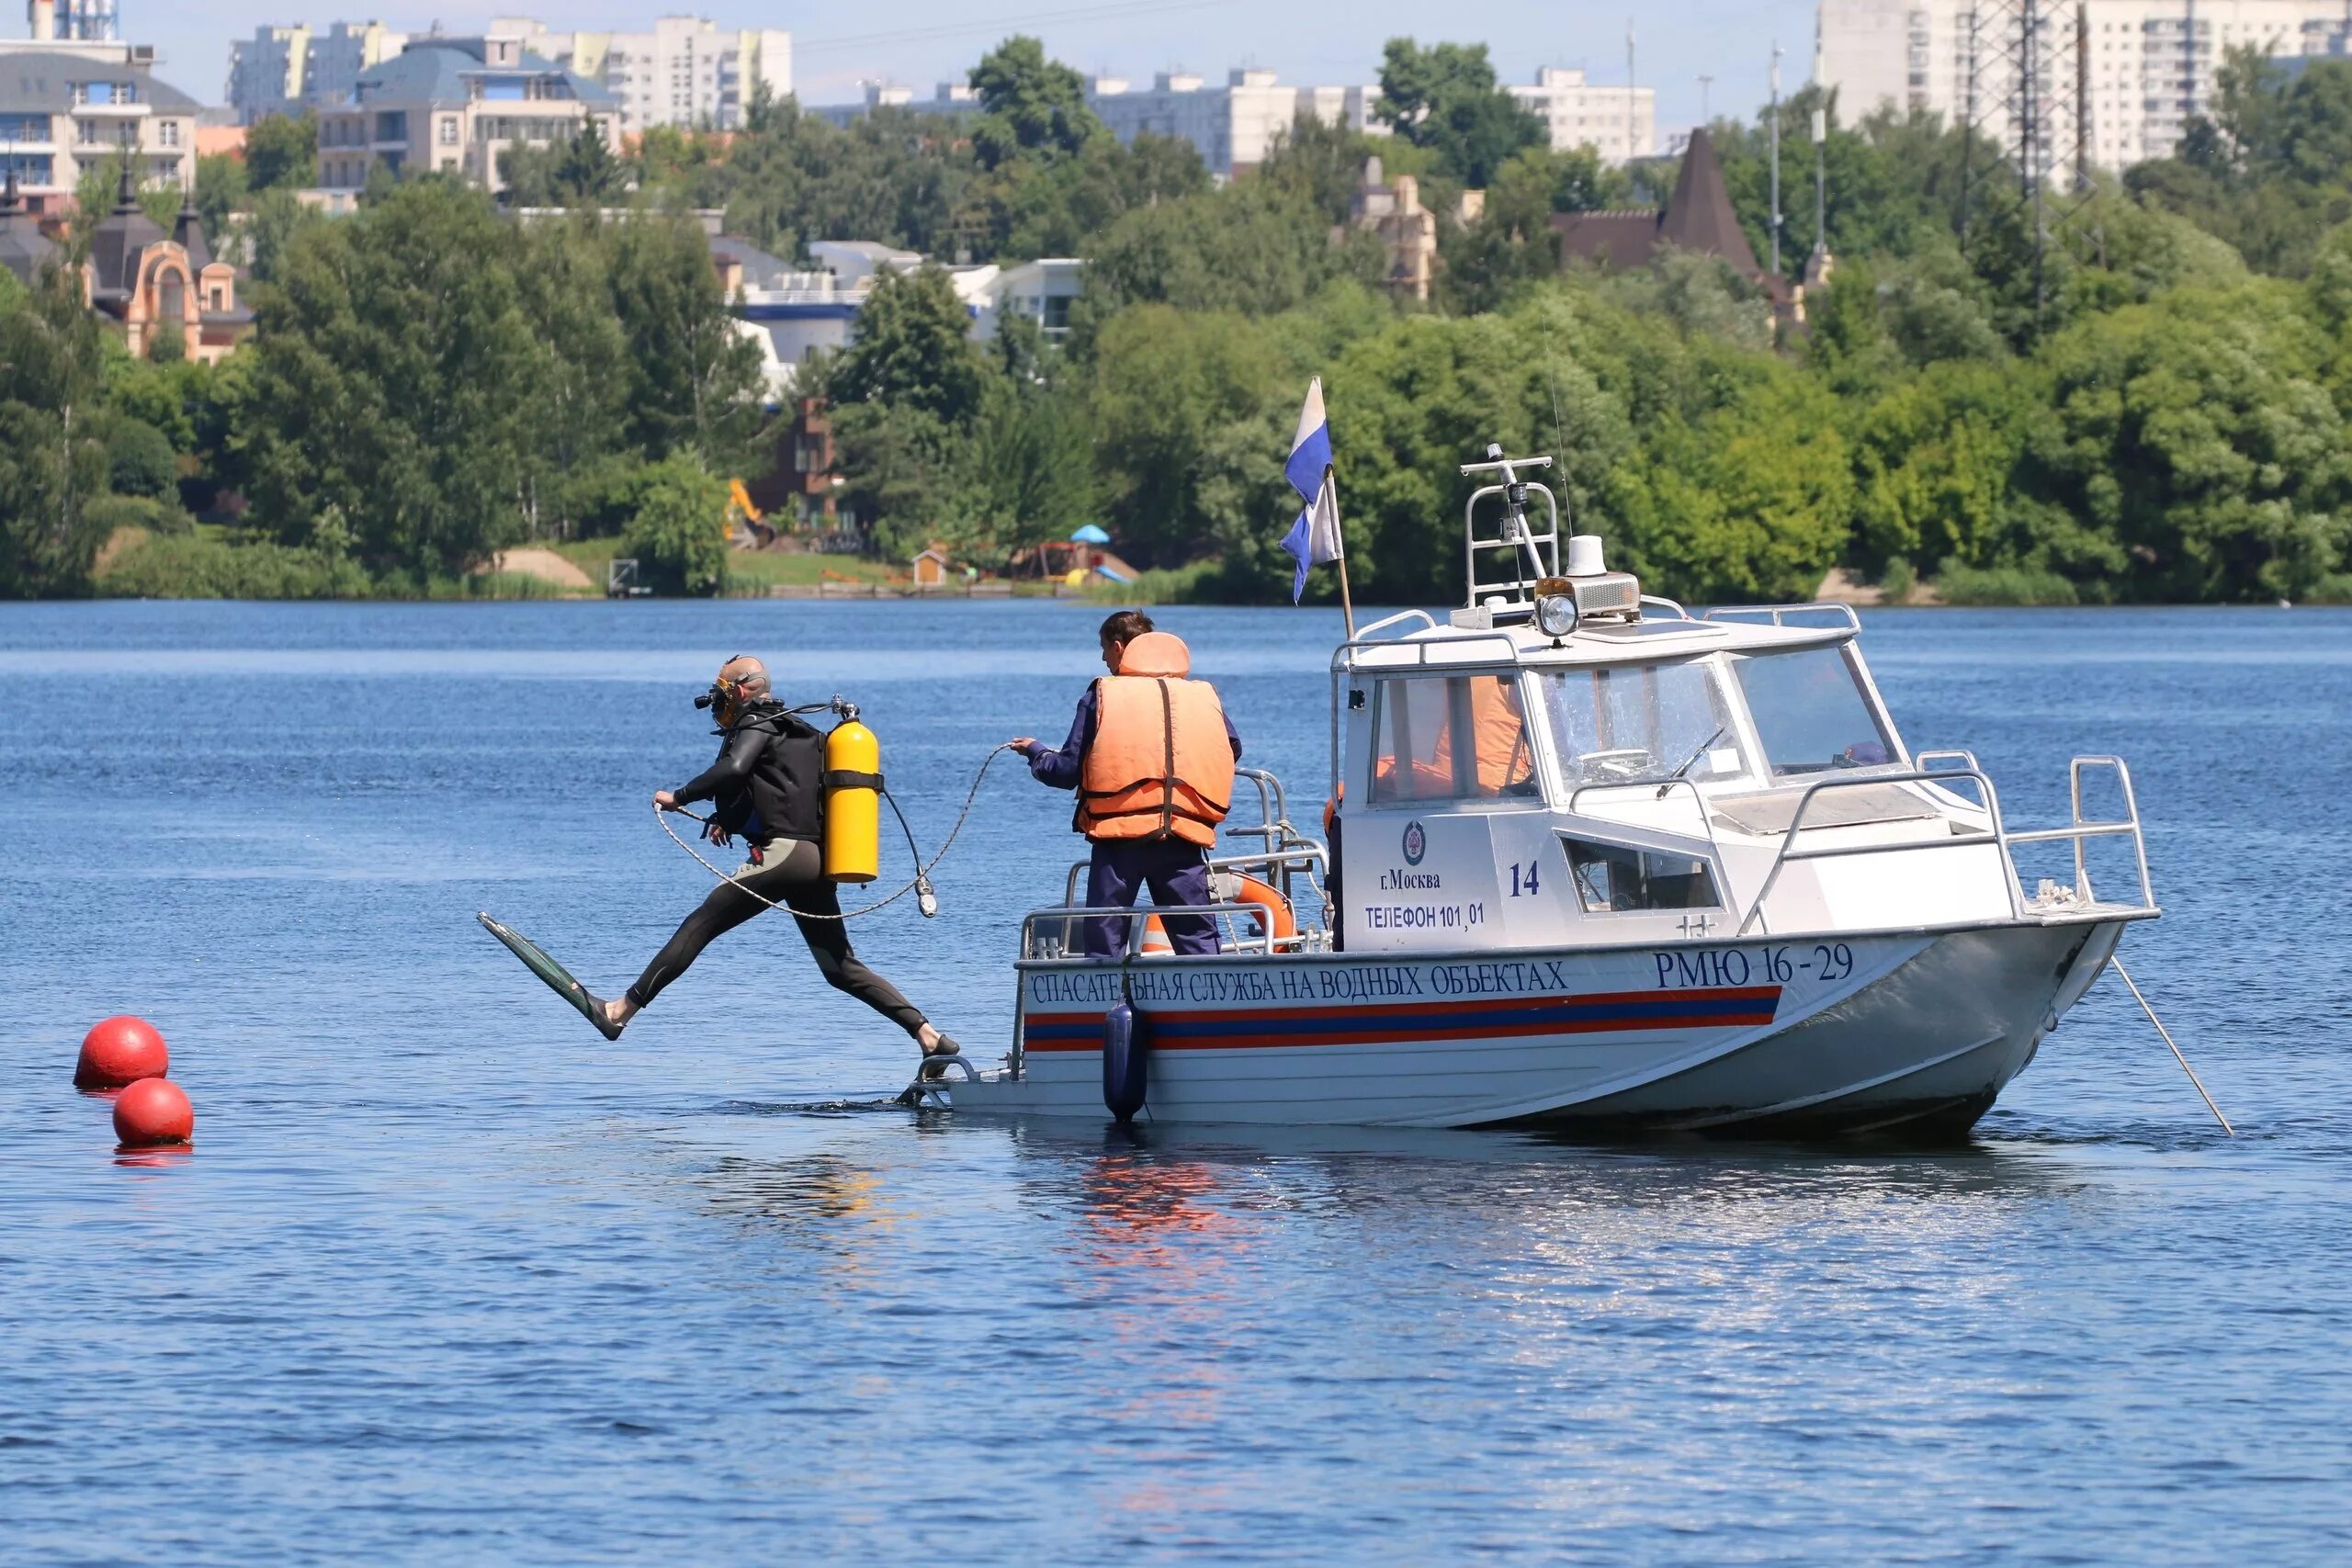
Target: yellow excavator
(746, 527)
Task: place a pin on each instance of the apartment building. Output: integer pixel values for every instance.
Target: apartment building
(685, 71)
(456, 106)
(1233, 126)
(2121, 77)
(69, 100)
(1619, 123)
(285, 70)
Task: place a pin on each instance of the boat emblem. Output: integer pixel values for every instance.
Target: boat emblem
(1417, 843)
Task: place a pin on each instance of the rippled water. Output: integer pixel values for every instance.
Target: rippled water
(449, 1278)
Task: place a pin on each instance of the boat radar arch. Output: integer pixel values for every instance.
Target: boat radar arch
(1526, 583)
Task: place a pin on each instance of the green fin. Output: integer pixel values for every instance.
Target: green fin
(558, 977)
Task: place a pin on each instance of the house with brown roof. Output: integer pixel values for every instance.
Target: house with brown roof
(151, 284)
(1697, 217)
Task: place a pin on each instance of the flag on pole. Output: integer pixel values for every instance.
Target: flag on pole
(1313, 538)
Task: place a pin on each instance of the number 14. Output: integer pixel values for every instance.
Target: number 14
(1523, 882)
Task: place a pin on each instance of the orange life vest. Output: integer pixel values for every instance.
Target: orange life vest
(1161, 765)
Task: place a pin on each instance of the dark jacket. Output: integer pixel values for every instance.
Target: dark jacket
(769, 780)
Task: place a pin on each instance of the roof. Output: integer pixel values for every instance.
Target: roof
(23, 247)
(189, 234)
(436, 72)
(1620, 239)
(1697, 217)
(35, 81)
(761, 269)
(117, 241)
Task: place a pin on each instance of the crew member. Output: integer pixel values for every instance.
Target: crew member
(767, 786)
(1150, 754)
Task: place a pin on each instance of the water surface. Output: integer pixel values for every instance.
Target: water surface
(448, 1279)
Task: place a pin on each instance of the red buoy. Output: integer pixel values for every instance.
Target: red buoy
(154, 1114)
(118, 1050)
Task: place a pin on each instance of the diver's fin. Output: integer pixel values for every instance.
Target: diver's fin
(558, 977)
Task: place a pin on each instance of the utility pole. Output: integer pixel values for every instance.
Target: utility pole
(1632, 113)
(1776, 218)
(1820, 145)
(1705, 82)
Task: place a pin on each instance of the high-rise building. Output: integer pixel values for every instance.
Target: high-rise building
(287, 70)
(685, 71)
(2117, 78)
(1233, 126)
(1619, 123)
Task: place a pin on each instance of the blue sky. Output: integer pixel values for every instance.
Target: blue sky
(918, 42)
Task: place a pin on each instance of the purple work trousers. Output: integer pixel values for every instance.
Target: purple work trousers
(1177, 873)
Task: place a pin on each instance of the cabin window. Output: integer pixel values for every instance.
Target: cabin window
(1810, 712)
(1452, 737)
(1629, 724)
(1620, 879)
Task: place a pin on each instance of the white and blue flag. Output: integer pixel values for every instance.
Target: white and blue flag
(1314, 538)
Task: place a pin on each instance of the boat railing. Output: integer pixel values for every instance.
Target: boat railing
(1779, 614)
(1343, 660)
(1533, 554)
(1053, 933)
(1677, 613)
(1282, 869)
(2079, 830)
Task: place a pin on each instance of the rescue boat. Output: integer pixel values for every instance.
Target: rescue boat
(1597, 861)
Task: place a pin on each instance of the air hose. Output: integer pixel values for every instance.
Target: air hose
(926, 899)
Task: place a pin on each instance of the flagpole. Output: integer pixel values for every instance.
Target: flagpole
(1340, 539)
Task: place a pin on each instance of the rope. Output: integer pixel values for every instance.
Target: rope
(922, 868)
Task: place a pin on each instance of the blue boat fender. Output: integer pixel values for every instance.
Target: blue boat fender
(1126, 1061)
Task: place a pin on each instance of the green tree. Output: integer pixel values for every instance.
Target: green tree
(1030, 106)
(282, 151)
(589, 173)
(52, 462)
(912, 350)
(140, 460)
(1444, 97)
(1258, 248)
(679, 535)
(695, 382)
(398, 376)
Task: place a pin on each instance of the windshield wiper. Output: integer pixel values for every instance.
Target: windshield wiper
(1690, 761)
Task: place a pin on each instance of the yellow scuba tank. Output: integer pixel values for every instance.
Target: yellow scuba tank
(853, 802)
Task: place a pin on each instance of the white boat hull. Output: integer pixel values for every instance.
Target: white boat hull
(1835, 1033)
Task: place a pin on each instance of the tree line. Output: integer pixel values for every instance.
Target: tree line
(2149, 404)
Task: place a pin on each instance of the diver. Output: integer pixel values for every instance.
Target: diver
(768, 786)
(1150, 754)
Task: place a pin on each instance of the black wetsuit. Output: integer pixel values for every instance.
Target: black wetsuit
(768, 786)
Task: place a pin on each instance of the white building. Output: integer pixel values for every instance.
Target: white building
(287, 70)
(1234, 126)
(456, 106)
(948, 97)
(69, 100)
(685, 71)
(1619, 123)
(2149, 64)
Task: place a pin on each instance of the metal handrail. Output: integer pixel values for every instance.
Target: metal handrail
(1664, 604)
(1965, 759)
(1420, 647)
(1136, 918)
(1385, 621)
(1291, 859)
(1789, 850)
(1999, 835)
(1781, 612)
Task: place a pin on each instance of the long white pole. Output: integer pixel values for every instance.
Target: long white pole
(2126, 976)
(1340, 539)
